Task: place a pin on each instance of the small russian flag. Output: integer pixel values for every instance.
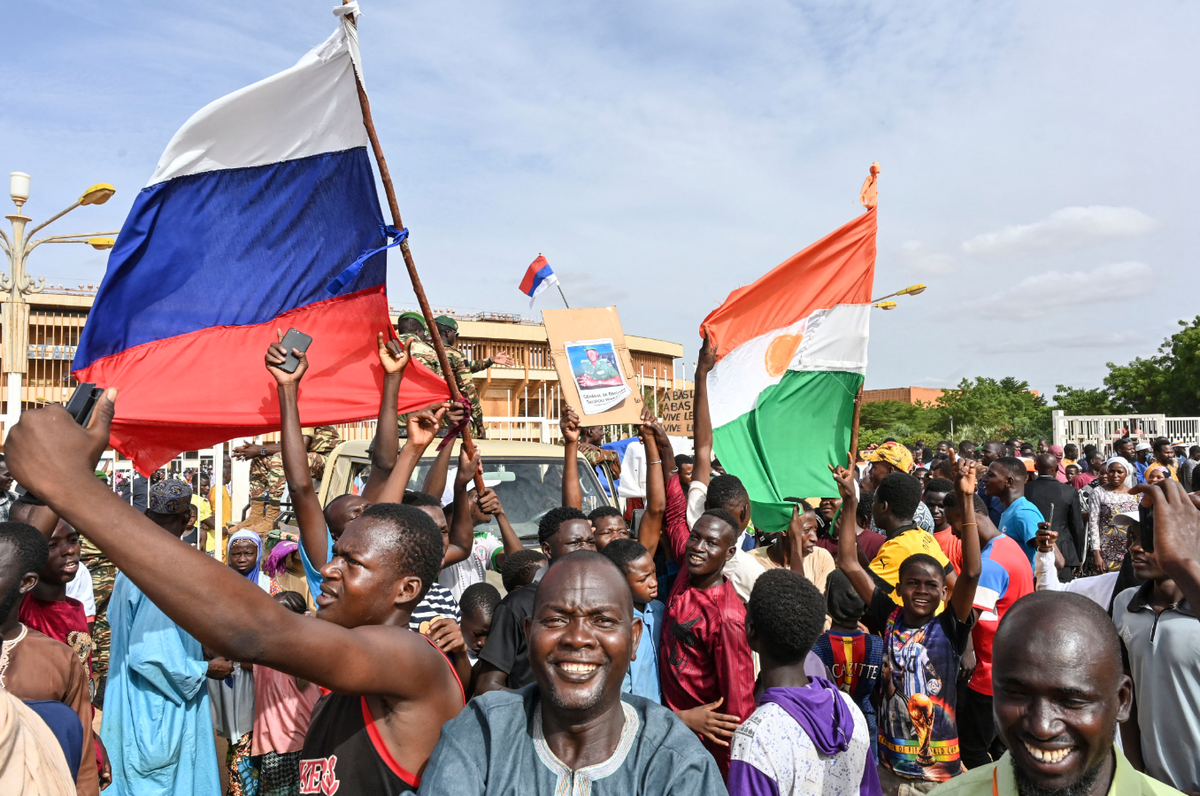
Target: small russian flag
(539, 277)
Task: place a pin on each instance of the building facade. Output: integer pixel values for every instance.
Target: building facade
(522, 401)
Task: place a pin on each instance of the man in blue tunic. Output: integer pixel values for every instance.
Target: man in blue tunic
(573, 731)
(157, 723)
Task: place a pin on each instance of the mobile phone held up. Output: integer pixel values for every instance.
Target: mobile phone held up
(83, 402)
(297, 340)
(1146, 526)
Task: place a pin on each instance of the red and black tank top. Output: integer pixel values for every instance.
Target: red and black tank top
(344, 753)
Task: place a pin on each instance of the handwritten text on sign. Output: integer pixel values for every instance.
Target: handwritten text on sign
(675, 412)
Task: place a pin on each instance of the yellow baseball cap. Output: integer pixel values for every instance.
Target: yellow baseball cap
(894, 454)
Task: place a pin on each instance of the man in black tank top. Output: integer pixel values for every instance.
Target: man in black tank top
(391, 688)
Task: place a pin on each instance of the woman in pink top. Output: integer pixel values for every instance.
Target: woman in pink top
(283, 705)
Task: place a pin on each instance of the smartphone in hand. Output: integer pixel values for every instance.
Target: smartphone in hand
(297, 340)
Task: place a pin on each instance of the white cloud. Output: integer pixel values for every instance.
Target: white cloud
(1075, 340)
(1069, 228)
(923, 260)
(1051, 292)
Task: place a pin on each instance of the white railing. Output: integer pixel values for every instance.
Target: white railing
(1103, 430)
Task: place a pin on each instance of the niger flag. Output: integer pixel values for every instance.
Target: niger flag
(791, 355)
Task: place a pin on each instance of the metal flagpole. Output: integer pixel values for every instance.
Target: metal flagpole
(385, 176)
(564, 295)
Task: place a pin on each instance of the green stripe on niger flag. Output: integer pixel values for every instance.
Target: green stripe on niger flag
(784, 446)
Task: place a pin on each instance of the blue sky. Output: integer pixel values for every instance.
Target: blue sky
(1037, 158)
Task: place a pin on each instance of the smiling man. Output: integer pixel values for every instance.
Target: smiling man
(572, 731)
(705, 656)
(1059, 693)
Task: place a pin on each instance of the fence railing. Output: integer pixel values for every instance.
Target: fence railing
(1103, 430)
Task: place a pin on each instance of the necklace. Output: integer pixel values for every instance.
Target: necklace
(6, 650)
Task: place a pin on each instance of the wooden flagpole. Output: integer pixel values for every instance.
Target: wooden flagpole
(869, 196)
(386, 177)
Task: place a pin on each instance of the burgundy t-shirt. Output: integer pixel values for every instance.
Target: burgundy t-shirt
(62, 620)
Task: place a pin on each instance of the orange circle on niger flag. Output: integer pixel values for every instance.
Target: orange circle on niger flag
(780, 353)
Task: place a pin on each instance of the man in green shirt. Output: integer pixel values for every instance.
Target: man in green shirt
(1060, 690)
(596, 369)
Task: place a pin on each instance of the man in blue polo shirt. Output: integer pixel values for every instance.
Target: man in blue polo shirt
(1005, 479)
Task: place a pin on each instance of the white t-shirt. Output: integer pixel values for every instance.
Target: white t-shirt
(457, 577)
(80, 587)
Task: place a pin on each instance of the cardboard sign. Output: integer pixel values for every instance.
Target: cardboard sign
(675, 412)
(588, 346)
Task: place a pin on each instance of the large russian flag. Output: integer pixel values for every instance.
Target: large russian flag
(791, 355)
(261, 200)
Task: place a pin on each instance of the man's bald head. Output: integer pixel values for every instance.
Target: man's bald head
(1046, 464)
(1065, 617)
(582, 636)
(1059, 692)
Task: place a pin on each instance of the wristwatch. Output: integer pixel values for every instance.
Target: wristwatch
(263, 452)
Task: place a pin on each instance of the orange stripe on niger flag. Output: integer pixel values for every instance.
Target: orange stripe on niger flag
(837, 269)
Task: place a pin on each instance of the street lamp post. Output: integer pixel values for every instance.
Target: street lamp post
(18, 284)
(911, 290)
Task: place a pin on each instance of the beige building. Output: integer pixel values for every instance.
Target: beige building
(519, 402)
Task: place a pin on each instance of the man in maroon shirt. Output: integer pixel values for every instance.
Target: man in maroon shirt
(705, 655)
(48, 609)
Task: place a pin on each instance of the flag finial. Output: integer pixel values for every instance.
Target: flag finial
(870, 190)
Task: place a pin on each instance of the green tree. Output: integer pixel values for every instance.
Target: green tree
(1166, 382)
(1076, 401)
(989, 409)
(887, 415)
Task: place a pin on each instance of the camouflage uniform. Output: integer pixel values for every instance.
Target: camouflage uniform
(266, 472)
(466, 385)
(477, 365)
(104, 574)
(421, 351)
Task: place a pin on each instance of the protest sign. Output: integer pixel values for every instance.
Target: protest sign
(675, 412)
(593, 363)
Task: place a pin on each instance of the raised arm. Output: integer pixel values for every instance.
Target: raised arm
(462, 529)
(963, 598)
(571, 494)
(847, 557)
(54, 457)
(1177, 535)
(650, 528)
(702, 431)
(422, 430)
(386, 445)
(294, 452)
(489, 503)
(435, 479)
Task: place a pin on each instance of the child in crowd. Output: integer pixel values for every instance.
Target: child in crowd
(478, 602)
(806, 737)
(918, 727)
(520, 568)
(635, 562)
(283, 705)
(232, 698)
(853, 657)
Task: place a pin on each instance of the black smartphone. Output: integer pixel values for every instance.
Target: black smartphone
(83, 402)
(297, 340)
(1146, 527)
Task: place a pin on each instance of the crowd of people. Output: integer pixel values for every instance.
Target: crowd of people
(1003, 618)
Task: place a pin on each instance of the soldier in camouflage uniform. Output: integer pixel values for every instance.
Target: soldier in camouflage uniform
(267, 480)
(410, 326)
(104, 574)
(464, 369)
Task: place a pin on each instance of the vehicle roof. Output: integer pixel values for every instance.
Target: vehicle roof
(489, 448)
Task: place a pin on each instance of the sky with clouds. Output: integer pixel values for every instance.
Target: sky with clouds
(1035, 156)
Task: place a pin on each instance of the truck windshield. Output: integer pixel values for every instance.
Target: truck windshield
(527, 488)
